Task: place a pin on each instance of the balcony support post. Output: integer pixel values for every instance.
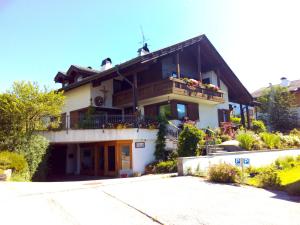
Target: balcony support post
(218, 77)
(199, 70)
(242, 115)
(248, 117)
(177, 65)
(134, 88)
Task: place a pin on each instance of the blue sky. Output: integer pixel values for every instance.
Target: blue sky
(260, 40)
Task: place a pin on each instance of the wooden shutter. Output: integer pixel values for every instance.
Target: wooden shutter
(151, 110)
(74, 118)
(192, 111)
(220, 116)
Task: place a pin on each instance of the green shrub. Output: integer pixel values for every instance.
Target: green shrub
(169, 166)
(268, 178)
(295, 132)
(270, 140)
(1, 171)
(290, 141)
(35, 150)
(285, 162)
(14, 161)
(235, 120)
(293, 189)
(188, 141)
(298, 158)
(225, 137)
(160, 145)
(258, 126)
(166, 167)
(246, 139)
(223, 173)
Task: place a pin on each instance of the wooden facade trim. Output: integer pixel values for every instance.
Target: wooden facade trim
(165, 87)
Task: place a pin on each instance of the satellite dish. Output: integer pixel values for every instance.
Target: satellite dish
(99, 101)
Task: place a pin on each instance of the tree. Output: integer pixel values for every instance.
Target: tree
(24, 110)
(276, 108)
(160, 147)
(189, 140)
(27, 108)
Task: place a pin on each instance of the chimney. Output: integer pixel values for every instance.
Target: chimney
(106, 64)
(144, 50)
(284, 82)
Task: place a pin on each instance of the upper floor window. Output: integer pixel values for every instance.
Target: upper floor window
(181, 111)
(165, 110)
(78, 78)
(206, 81)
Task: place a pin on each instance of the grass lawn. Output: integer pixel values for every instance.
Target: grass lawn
(290, 180)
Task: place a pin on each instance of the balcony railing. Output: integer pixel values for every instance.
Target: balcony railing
(168, 86)
(111, 122)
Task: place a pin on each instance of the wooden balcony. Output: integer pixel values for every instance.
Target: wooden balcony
(166, 87)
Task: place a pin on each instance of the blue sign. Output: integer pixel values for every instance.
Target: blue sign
(246, 161)
(237, 161)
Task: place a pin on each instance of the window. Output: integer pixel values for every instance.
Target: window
(181, 111)
(165, 110)
(125, 157)
(79, 78)
(206, 81)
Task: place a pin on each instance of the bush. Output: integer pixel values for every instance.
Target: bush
(270, 140)
(188, 141)
(295, 132)
(246, 139)
(285, 162)
(169, 166)
(34, 151)
(258, 126)
(235, 120)
(14, 161)
(225, 137)
(166, 167)
(268, 178)
(290, 141)
(223, 173)
(160, 145)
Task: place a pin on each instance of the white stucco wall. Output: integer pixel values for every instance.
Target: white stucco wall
(77, 98)
(97, 135)
(98, 91)
(208, 114)
(257, 159)
(142, 156)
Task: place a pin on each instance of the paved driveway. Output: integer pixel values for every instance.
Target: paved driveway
(144, 200)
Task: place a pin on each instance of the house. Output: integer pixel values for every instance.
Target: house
(108, 121)
(292, 86)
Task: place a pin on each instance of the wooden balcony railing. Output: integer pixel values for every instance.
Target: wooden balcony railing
(167, 86)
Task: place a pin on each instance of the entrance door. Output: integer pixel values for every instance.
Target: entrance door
(101, 160)
(111, 160)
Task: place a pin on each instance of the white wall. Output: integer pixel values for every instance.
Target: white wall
(97, 135)
(142, 156)
(208, 116)
(257, 159)
(77, 98)
(105, 85)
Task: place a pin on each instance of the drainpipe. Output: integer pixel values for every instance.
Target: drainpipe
(134, 92)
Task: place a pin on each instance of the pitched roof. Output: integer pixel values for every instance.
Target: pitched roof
(238, 92)
(294, 86)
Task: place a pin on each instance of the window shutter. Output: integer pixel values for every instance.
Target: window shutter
(151, 110)
(192, 111)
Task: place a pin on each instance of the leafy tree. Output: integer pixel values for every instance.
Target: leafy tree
(276, 108)
(25, 109)
(188, 141)
(160, 148)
